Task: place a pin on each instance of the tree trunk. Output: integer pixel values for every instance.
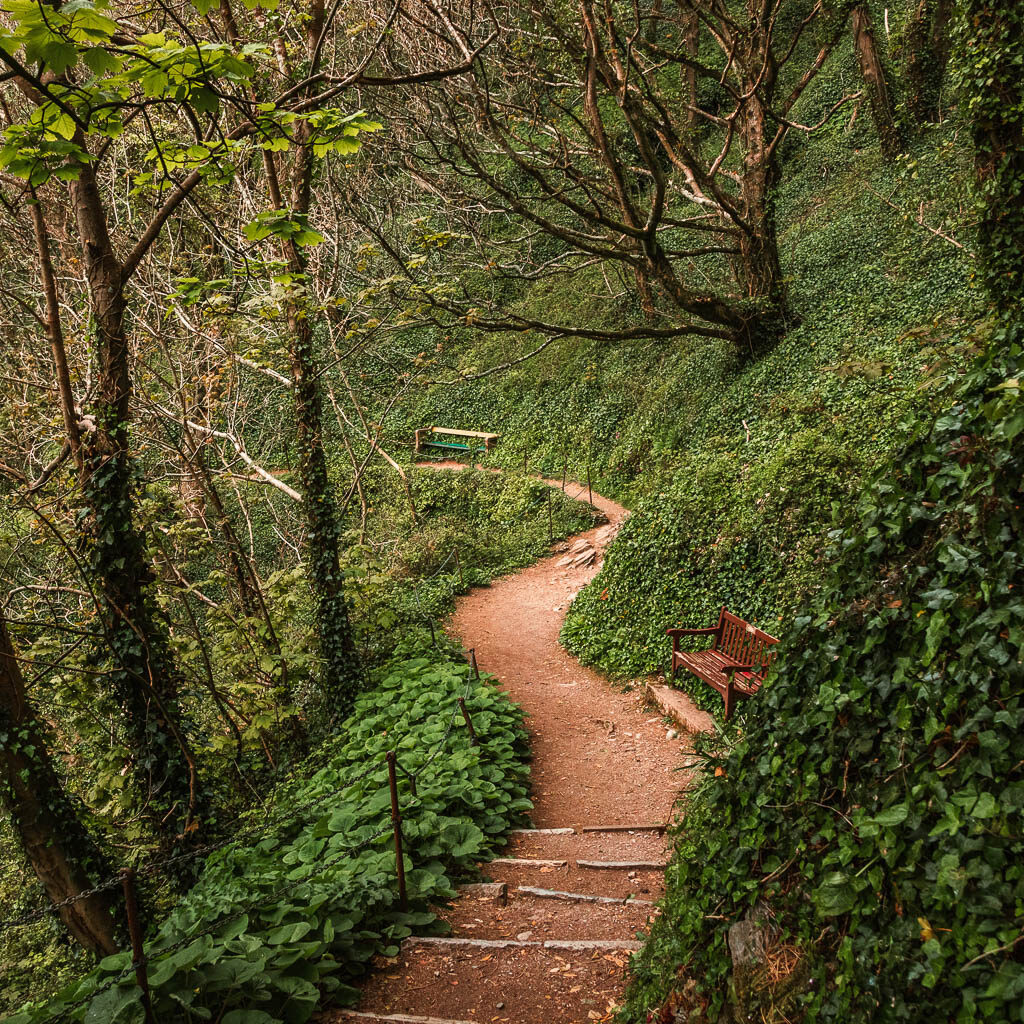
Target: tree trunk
(872, 70)
(758, 269)
(691, 45)
(142, 679)
(928, 46)
(62, 853)
(343, 676)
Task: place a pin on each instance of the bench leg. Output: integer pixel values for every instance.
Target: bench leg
(730, 700)
(675, 651)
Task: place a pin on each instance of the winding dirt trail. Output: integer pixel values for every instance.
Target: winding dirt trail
(600, 757)
(548, 941)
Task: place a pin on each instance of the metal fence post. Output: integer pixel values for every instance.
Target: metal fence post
(473, 664)
(469, 722)
(131, 905)
(458, 565)
(396, 824)
(551, 528)
(590, 489)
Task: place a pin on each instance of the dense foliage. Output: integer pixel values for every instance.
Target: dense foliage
(717, 258)
(874, 798)
(989, 78)
(287, 915)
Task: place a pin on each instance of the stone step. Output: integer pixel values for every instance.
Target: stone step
(397, 1018)
(439, 984)
(466, 942)
(535, 913)
(623, 865)
(636, 846)
(656, 827)
(579, 897)
(643, 883)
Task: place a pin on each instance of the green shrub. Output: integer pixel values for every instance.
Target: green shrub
(279, 920)
(874, 799)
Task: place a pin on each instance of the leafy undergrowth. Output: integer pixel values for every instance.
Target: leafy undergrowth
(734, 467)
(873, 799)
(472, 526)
(500, 521)
(284, 919)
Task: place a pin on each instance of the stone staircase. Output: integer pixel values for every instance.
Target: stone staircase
(545, 940)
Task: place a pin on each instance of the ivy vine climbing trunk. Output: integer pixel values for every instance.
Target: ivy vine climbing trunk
(44, 817)
(342, 673)
(928, 46)
(876, 82)
(991, 36)
(142, 677)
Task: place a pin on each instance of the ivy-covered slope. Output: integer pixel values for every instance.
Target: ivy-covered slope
(874, 802)
(732, 466)
(284, 918)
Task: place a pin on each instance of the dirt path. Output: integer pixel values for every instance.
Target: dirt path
(548, 942)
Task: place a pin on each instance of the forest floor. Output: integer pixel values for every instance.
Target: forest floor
(549, 941)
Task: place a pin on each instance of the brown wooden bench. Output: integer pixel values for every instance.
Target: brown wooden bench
(736, 662)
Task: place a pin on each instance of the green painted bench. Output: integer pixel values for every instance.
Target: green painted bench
(473, 441)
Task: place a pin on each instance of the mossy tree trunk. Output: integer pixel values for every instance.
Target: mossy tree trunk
(342, 672)
(928, 46)
(142, 678)
(44, 817)
(991, 40)
(876, 83)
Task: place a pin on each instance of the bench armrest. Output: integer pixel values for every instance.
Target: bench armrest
(692, 632)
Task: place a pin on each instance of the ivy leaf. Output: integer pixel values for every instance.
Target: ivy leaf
(836, 895)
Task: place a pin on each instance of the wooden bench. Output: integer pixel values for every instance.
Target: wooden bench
(736, 662)
(471, 439)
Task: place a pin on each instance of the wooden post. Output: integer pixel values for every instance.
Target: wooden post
(469, 723)
(396, 824)
(131, 905)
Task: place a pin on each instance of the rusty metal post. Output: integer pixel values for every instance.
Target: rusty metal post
(524, 460)
(473, 664)
(590, 489)
(469, 722)
(565, 469)
(131, 906)
(458, 565)
(396, 824)
(551, 528)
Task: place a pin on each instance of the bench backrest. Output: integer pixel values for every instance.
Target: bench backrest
(471, 437)
(745, 643)
(465, 433)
